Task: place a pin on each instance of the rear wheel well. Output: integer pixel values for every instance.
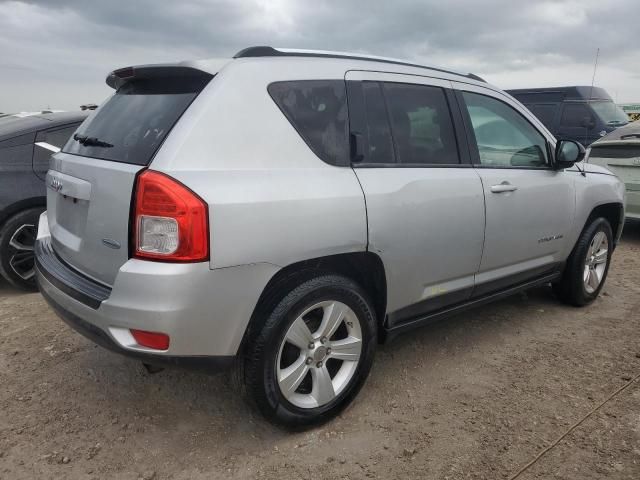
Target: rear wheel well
(613, 213)
(17, 207)
(365, 268)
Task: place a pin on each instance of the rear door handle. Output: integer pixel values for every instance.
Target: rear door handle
(503, 187)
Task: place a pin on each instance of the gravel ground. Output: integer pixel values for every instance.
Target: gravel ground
(478, 396)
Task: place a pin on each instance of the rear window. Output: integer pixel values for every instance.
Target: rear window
(317, 109)
(614, 151)
(132, 124)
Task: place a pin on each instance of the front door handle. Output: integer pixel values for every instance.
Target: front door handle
(503, 187)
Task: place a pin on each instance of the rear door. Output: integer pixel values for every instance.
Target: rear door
(529, 205)
(90, 183)
(425, 206)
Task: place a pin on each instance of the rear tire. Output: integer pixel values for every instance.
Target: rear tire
(313, 352)
(17, 239)
(587, 266)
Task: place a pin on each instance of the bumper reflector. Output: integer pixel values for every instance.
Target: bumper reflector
(154, 340)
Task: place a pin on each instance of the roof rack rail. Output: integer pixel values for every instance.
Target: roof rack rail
(266, 51)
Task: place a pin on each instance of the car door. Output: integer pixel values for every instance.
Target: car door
(529, 205)
(424, 201)
(48, 142)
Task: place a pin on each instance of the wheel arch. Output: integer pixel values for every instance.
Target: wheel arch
(613, 213)
(21, 205)
(365, 268)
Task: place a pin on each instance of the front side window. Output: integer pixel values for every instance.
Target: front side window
(421, 124)
(317, 109)
(504, 137)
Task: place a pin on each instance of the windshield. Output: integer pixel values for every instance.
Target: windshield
(610, 113)
(132, 124)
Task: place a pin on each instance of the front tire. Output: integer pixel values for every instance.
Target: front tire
(17, 239)
(313, 353)
(587, 266)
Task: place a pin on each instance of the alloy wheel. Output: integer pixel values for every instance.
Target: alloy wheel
(595, 262)
(21, 258)
(319, 354)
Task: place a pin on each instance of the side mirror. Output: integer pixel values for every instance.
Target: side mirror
(567, 153)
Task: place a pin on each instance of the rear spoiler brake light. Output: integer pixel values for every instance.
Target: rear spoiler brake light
(119, 77)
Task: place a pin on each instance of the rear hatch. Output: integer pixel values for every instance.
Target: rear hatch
(623, 159)
(90, 183)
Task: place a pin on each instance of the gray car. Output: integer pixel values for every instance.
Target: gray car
(288, 211)
(619, 151)
(27, 140)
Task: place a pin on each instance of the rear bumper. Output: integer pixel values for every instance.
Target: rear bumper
(205, 312)
(100, 337)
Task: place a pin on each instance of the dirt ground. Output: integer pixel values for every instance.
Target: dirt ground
(478, 396)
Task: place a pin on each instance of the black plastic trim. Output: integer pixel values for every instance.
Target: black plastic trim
(266, 51)
(65, 278)
(209, 364)
(488, 288)
(417, 322)
(432, 304)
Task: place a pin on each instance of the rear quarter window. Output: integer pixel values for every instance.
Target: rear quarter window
(317, 109)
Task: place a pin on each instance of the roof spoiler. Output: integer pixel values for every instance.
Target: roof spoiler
(119, 77)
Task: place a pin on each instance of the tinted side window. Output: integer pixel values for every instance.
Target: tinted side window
(575, 115)
(55, 137)
(504, 137)
(544, 112)
(317, 109)
(378, 131)
(421, 124)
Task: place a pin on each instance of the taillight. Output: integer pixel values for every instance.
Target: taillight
(170, 222)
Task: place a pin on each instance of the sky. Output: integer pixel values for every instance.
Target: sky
(57, 53)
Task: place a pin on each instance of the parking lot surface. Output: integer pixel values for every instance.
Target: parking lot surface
(524, 388)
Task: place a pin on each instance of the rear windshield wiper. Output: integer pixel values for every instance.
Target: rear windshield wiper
(90, 141)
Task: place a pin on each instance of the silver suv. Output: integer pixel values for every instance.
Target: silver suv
(288, 211)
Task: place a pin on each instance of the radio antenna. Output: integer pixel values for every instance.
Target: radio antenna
(590, 99)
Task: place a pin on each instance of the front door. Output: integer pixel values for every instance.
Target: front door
(529, 205)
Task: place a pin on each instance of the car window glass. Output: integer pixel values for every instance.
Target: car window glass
(317, 109)
(544, 113)
(57, 137)
(575, 115)
(378, 131)
(132, 124)
(421, 124)
(504, 137)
